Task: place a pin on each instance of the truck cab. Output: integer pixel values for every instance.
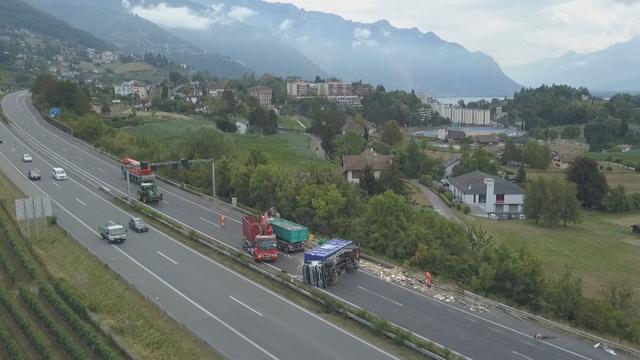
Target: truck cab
(113, 233)
(258, 238)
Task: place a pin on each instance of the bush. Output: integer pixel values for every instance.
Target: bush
(84, 331)
(426, 180)
(58, 332)
(19, 251)
(9, 343)
(7, 265)
(35, 339)
(466, 209)
(609, 168)
(52, 220)
(448, 196)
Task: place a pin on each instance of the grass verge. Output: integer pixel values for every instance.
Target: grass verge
(137, 323)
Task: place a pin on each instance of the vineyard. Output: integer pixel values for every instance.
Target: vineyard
(40, 317)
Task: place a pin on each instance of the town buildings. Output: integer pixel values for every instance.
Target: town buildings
(463, 116)
(263, 94)
(132, 88)
(353, 165)
(332, 90)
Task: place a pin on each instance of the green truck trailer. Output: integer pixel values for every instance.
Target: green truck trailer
(291, 236)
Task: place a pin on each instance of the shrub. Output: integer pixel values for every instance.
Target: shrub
(609, 168)
(58, 332)
(448, 196)
(19, 251)
(9, 343)
(7, 265)
(466, 209)
(34, 338)
(52, 220)
(426, 180)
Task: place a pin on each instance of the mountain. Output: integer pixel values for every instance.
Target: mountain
(19, 15)
(616, 68)
(111, 21)
(263, 35)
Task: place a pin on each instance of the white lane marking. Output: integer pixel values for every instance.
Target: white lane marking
(292, 304)
(166, 257)
(484, 319)
(81, 202)
(522, 356)
(527, 342)
(101, 169)
(55, 183)
(210, 222)
(379, 295)
(151, 272)
(497, 330)
(165, 201)
(245, 305)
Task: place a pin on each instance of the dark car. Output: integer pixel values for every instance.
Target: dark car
(33, 174)
(138, 225)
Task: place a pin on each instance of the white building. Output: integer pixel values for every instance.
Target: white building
(353, 100)
(492, 194)
(328, 89)
(132, 88)
(464, 116)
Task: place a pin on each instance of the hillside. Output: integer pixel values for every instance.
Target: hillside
(19, 15)
(374, 52)
(110, 21)
(616, 68)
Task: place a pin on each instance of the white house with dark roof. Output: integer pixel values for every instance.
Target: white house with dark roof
(353, 165)
(492, 194)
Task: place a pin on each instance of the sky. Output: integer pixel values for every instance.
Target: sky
(513, 32)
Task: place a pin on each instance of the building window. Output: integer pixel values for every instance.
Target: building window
(482, 199)
(499, 208)
(499, 198)
(513, 208)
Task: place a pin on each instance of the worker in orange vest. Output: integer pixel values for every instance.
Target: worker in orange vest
(221, 219)
(428, 279)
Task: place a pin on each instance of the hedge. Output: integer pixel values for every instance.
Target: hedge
(58, 332)
(35, 339)
(7, 265)
(86, 332)
(20, 252)
(9, 343)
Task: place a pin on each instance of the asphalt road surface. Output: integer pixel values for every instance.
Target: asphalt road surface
(237, 317)
(492, 335)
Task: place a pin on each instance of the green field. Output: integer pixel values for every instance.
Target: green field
(293, 122)
(289, 150)
(632, 156)
(162, 129)
(616, 176)
(601, 249)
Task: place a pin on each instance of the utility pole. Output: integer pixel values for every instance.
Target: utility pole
(213, 177)
(128, 187)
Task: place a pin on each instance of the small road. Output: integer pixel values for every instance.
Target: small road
(438, 205)
(316, 146)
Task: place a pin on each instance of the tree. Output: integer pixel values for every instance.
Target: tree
(230, 102)
(511, 152)
(368, 182)
(478, 159)
(565, 296)
(351, 144)
(536, 155)
(224, 124)
(165, 92)
(105, 109)
(591, 183)
(255, 159)
(521, 178)
(394, 180)
(534, 195)
(391, 133)
(175, 77)
(223, 178)
(570, 204)
(571, 132)
(616, 200)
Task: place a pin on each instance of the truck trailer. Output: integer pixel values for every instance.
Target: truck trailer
(139, 172)
(258, 238)
(290, 236)
(325, 264)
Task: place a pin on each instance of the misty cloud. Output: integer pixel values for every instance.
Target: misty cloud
(285, 25)
(362, 37)
(171, 17)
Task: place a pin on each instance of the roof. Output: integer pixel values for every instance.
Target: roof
(455, 134)
(487, 139)
(473, 184)
(368, 157)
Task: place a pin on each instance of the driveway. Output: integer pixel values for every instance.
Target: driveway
(438, 205)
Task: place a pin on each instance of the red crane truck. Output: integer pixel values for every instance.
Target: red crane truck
(142, 174)
(258, 238)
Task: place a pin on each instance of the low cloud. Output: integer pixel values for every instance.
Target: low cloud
(362, 37)
(171, 17)
(285, 25)
(240, 13)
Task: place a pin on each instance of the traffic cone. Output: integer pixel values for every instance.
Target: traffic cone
(221, 219)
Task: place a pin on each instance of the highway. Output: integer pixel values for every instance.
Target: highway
(237, 317)
(492, 335)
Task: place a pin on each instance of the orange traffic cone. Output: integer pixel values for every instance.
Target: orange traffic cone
(428, 279)
(221, 219)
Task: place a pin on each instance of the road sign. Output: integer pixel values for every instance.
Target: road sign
(33, 208)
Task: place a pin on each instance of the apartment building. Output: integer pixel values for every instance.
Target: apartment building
(464, 116)
(263, 94)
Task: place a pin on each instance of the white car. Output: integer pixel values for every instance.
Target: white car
(59, 174)
(27, 158)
